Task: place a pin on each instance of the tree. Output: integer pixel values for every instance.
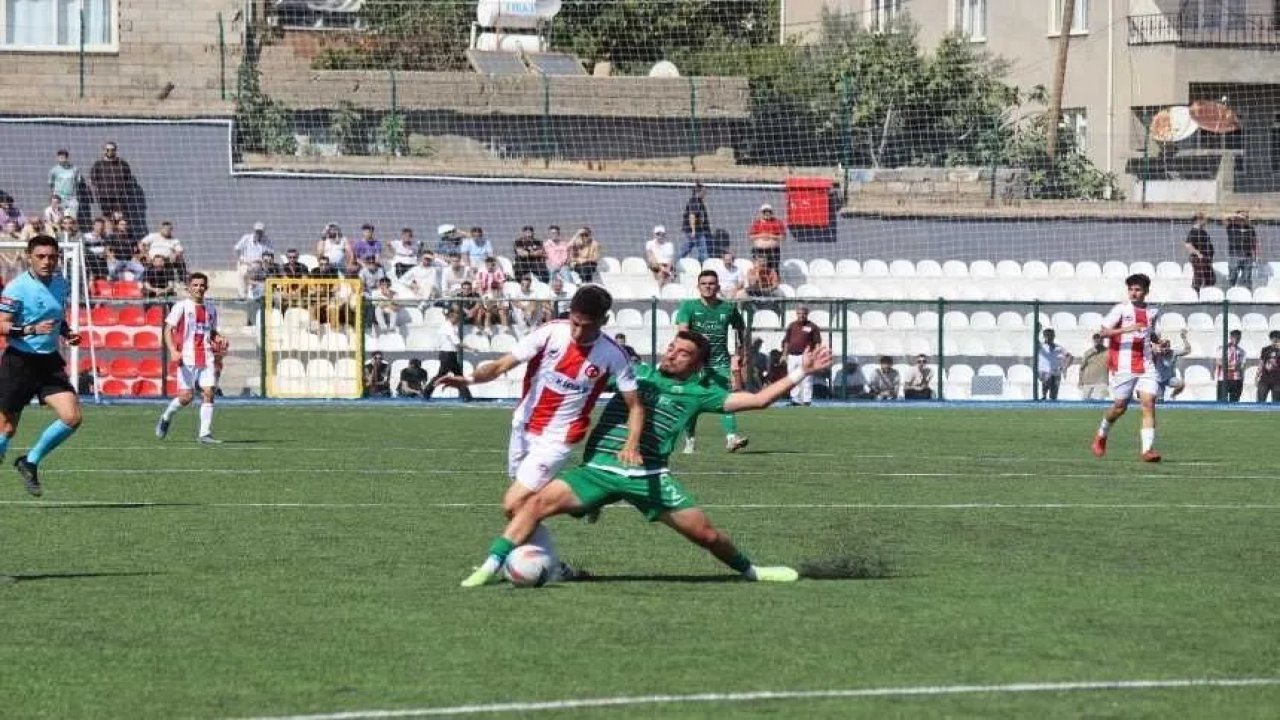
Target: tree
(261, 124)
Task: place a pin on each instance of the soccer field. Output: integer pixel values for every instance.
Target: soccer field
(310, 567)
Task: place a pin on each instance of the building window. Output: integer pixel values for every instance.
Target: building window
(1207, 14)
(970, 18)
(55, 25)
(1076, 122)
(1079, 22)
(882, 15)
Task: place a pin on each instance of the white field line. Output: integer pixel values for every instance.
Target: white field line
(712, 506)
(773, 695)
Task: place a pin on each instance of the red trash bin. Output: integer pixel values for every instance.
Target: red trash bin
(809, 202)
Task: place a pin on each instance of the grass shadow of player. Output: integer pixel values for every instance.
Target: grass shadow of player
(114, 505)
(19, 578)
(686, 579)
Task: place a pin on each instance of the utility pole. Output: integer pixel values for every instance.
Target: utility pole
(1059, 79)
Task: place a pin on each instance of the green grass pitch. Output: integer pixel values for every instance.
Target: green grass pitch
(310, 566)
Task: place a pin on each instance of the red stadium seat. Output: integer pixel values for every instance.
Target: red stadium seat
(115, 388)
(123, 367)
(155, 315)
(132, 316)
(116, 340)
(103, 315)
(94, 339)
(171, 386)
(86, 365)
(146, 340)
(100, 289)
(150, 368)
(127, 289)
(145, 388)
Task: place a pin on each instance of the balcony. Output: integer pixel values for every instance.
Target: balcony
(1195, 30)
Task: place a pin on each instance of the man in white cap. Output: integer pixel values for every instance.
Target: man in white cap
(660, 253)
(450, 242)
(766, 235)
(249, 250)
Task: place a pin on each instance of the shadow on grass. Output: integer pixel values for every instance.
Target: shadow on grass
(17, 578)
(690, 579)
(113, 505)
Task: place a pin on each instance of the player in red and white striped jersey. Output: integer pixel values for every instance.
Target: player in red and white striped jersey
(191, 335)
(1130, 330)
(569, 364)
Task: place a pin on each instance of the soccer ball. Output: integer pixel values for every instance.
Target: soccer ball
(530, 566)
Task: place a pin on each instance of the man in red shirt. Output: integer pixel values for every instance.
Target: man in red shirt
(801, 335)
(766, 235)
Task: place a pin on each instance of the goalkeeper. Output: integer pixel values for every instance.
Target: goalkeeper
(673, 394)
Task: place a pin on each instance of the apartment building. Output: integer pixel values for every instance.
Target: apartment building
(1128, 59)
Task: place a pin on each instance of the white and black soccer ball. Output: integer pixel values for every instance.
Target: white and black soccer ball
(530, 566)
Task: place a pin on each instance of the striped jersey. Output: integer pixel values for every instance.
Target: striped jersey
(563, 380)
(669, 406)
(1131, 352)
(1235, 362)
(196, 326)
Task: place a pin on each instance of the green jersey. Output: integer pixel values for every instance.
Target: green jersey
(669, 406)
(712, 322)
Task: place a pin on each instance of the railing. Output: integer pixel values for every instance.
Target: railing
(1194, 30)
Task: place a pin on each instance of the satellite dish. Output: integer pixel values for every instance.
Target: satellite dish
(1214, 117)
(1173, 124)
(664, 69)
(515, 13)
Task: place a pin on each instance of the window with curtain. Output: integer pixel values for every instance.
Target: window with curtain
(881, 14)
(971, 18)
(55, 24)
(1076, 122)
(1079, 19)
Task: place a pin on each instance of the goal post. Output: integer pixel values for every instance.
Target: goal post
(313, 339)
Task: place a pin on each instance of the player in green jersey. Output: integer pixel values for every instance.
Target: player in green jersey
(713, 318)
(673, 394)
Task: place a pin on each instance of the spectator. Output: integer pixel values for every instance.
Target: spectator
(54, 213)
(1269, 369)
(368, 246)
(337, 248)
(801, 335)
(1200, 251)
(324, 269)
(455, 275)
(469, 305)
(560, 295)
(65, 182)
(762, 280)
(371, 273)
(449, 342)
(885, 380)
(413, 379)
(95, 249)
(163, 244)
(291, 267)
(490, 282)
(13, 260)
(777, 367)
(733, 279)
(157, 279)
(530, 258)
(766, 235)
(1242, 248)
(270, 266)
(1166, 359)
(10, 212)
(659, 253)
(851, 383)
(527, 310)
(758, 366)
(248, 250)
(377, 377)
(122, 252)
(556, 248)
(386, 316)
(113, 183)
(35, 226)
(584, 255)
(1054, 360)
(258, 275)
(631, 353)
(476, 248)
(404, 253)
(450, 240)
(1094, 380)
(69, 230)
(423, 279)
(696, 224)
(1228, 368)
(920, 381)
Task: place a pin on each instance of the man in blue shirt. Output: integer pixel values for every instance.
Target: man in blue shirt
(31, 315)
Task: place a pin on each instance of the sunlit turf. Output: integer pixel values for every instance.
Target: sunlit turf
(310, 565)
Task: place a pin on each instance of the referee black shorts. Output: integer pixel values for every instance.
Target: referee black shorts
(24, 376)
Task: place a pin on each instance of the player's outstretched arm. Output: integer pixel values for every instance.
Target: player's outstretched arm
(630, 452)
(816, 360)
(486, 371)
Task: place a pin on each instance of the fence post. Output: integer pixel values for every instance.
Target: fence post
(1220, 385)
(942, 352)
(222, 56)
(653, 331)
(693, 126)
(546, 120)
(844, 348)
(82, 58)
(1035, 350)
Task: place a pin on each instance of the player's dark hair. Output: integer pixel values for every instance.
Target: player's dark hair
(199, 276)
(1139, 279)
(708, 273)
(41, 241)
(700, 340)
(1274, 335)
(592, 301)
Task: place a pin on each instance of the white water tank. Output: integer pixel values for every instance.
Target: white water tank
(493, 42)
(515, 13)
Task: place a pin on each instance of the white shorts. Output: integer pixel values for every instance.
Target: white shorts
(532, 461)
(1124, 384)
(190, 378)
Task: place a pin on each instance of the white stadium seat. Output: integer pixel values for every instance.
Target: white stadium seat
(658, 317)
(502, 342)
(476, 342)
(1172, 321)
(982, 269)
(634, 266)
(863, 347)
(821, 318)
(1169, 271)
(902, 269)
(628, 318)
(1267, 295)
(1062, 270)
(1199, 322)
(928, 268)
(1063, 321)
(1090, 320)
(1088, 270)
(1255, 322)
(1009, 320)
(795, 271)
(955, 320)
(848, 268)
(391, 342)
(875, 269)
(1009, 269)
(821, 267)
(1239, 295)
(809, 290)
(973, 346)
(982, 320)
(927, 319)
(955, 269)
(901, 320)
(766, 319)
(1232, 320)
(610, 265)
(1035, 270)
(1212, 294)
(1143, 267)
(688, 267)
(991, 370)
(420, 339)
(1114, 270)
(874, 320)
(674, 291)
(786, 291)
(1184, 294)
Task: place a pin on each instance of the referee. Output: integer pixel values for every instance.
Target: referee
(32, 309)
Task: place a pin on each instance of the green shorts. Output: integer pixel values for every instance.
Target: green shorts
(652, 494)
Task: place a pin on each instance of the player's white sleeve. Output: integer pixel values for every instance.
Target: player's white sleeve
(625, 380)
(1112, 320)
(529, 345)
(175, 315)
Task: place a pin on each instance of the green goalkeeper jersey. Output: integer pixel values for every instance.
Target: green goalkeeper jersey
(712, 322)
(669, 405)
